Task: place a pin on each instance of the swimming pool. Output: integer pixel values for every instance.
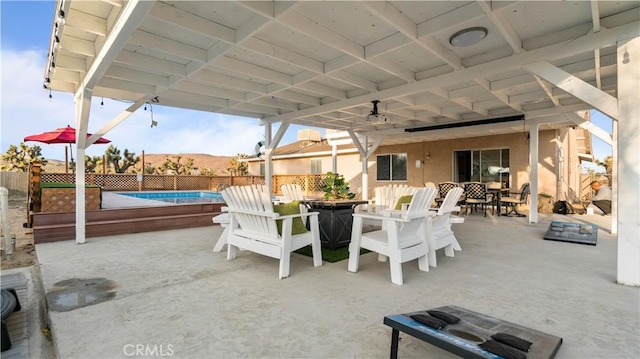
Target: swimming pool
(179, 197)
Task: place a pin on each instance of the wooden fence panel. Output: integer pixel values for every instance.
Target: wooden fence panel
(311, 184)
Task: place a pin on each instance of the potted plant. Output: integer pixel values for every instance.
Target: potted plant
(335, 187)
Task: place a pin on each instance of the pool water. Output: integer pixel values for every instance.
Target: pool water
(188, 197)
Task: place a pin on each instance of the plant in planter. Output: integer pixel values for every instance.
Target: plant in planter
(545, 202)
(335, 187)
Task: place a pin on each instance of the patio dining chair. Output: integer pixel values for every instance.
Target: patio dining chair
(510, 203)
(443, 189)
(475, 193)
(274, 231)
(403, 238)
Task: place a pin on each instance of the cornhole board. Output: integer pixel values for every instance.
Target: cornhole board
(462, 338)
(572, 232)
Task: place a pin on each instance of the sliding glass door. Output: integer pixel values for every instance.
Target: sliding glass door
(482, 166)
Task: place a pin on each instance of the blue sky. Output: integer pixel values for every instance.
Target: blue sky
(600, 148)
(26, 107)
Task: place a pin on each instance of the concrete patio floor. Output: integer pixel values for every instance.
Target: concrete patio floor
(175, 296)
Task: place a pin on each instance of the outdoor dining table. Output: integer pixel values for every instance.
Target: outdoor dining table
(497, 195)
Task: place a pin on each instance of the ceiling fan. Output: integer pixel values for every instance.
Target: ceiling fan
(374, 116)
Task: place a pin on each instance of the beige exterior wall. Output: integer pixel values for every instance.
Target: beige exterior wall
(438, 167)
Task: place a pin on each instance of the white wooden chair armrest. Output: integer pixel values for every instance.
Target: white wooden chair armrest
(222, 218)
(254, 213)
(393, 212)
(379, 217)
(307, 214)
(296, 215)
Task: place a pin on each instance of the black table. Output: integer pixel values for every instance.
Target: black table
(479, 325)
(335, 220)
(497, 195)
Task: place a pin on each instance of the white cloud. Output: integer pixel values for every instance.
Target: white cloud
(27, 110)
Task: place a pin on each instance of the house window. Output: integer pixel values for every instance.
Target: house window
(482, 166)
(262, 169)
(392, 167)
(316, 166)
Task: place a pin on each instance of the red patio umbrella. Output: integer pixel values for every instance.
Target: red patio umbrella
(65, 135)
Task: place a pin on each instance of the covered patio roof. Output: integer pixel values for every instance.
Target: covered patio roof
(322, 64)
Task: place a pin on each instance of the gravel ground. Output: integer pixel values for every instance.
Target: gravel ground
(24, 254)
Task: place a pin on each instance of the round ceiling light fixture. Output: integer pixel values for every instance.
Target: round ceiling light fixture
(468, 37)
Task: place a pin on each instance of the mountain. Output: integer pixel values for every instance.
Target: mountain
(200, 160)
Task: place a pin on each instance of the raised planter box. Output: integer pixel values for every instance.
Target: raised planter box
(61, 197)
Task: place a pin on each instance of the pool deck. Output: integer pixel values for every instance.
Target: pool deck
(172, 293)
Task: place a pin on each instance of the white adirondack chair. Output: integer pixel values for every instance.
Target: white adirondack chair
(440, 234)
(386, 197)
(253, 227)
(224, 219)
(292, 192)
(403, 239)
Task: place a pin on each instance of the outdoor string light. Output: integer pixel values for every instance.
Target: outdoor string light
(61, 19)
(154, 123)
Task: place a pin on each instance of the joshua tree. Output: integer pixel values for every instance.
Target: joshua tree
(92, 164)
(207, 171)
(149, 169)
(18, 159)
(173, 166)
(237, 168)
(120, 164)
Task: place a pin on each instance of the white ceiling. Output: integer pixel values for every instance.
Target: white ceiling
(322, 63)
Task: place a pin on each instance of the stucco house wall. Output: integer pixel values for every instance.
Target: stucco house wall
(438, 166)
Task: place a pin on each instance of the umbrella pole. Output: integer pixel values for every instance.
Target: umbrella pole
(66, 160)
(71, 152)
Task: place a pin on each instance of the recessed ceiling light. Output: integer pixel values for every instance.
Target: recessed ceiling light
(468, 37)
